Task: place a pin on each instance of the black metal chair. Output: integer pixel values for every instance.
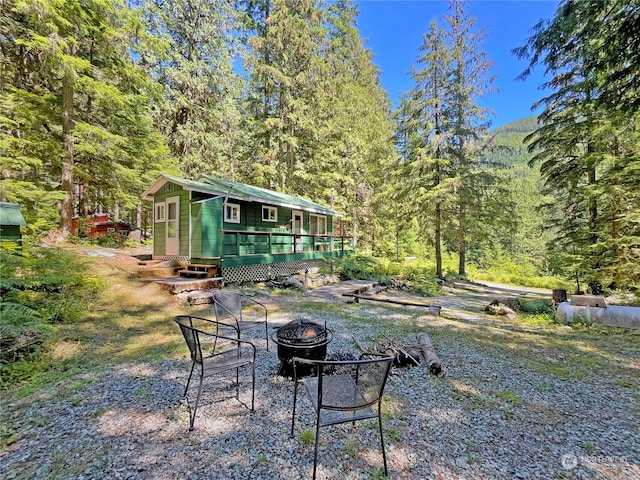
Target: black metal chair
(344, 391)
(241, 311)
(215, 353)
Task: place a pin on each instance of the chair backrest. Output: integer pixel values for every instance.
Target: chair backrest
(227, 305)
(196, 330)
(369, 374)
(190, 334)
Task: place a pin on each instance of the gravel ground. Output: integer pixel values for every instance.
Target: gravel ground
(494, 416)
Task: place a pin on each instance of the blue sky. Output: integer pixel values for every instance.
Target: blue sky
(393, 30)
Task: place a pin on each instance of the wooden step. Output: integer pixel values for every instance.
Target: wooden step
(199, 271)
(148, 263)
(374, 290)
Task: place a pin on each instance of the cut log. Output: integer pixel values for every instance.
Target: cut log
(498, 308)
(430, 355)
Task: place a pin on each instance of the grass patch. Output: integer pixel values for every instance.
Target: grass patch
(307, 437)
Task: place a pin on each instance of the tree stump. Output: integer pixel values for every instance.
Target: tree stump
(559, 296)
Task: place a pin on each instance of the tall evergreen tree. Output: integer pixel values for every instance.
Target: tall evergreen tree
(425, 130)
(283, 64)
(200, 114)
(355, 158)
(446, 132)
(468, 124)
(77, 109)
(585, 142)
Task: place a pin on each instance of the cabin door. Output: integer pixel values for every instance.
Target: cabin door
(172, 239)
(297, 229)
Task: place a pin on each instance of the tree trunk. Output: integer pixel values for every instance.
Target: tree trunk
(462, 241)
(438, 239)
(66, 175)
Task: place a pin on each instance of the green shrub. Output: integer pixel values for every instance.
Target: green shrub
(38, 287)
(361, 266)
(537, 306)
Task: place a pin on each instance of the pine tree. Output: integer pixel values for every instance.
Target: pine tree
(200, 113)
(446, 133)
(77, 108)
(585, 142)
(354, 159)
(283, 65)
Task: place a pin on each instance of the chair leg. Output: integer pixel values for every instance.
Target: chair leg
(295, 398)
(238, 383)
(195, 407)
(315, 452)
(384, 455)
(266, 334)
(193, 365)
(253, 386)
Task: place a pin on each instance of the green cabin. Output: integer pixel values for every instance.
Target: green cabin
(249, 233)
(11, 220)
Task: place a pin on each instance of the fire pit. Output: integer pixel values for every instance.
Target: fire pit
(300, 338)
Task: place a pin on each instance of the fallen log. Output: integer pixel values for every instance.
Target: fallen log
(433, 362)
(403, 355)
(406, 303)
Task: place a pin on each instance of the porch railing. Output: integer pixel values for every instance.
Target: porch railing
(237, 243)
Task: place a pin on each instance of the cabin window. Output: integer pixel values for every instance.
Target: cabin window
(231, 213)
(160, 212)
(111, 230)
(317, 225)
(124, 233)
(269, 214)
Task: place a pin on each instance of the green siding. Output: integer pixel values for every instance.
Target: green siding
(249, 245)
(196, 230)
(10, 233)
(211, 227)
(159, 231)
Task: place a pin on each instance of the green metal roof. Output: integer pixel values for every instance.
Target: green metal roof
(10, 214)
(257, 194)
(239, 191)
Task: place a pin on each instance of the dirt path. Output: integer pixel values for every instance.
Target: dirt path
(466, 300)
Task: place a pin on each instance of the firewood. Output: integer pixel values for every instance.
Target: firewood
(433, 362)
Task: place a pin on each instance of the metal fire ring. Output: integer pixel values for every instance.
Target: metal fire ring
(326, 336)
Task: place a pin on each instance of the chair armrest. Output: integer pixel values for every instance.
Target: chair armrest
(222, 337)
(374, 354)
(218, 325)
(250, 299)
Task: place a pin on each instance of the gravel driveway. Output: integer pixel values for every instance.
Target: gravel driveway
(519, 401)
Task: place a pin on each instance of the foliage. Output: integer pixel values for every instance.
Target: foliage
(443, 138)
(360, 266)
(199, 114)
(76, 127)
(586, 144)
(317, 120)
(40, 287)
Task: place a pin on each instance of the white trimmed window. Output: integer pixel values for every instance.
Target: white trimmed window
(231, 213)
(317, 225)
(269, 214)
(159, 212)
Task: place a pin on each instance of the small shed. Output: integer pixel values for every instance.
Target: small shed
(248, 233)
(100, 224)
(11, 220)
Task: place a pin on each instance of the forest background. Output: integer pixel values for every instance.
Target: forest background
(99, 97)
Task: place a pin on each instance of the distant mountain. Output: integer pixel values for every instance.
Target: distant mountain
(512, 136)
(525, 125)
